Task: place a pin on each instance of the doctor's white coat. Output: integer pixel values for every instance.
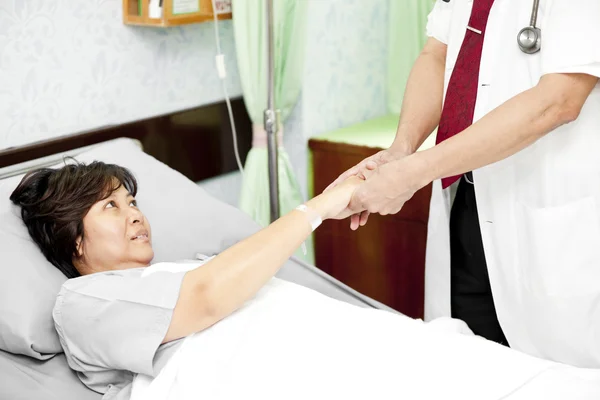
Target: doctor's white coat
(539, 209)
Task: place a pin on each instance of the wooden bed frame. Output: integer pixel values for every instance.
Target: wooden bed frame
(196, 142)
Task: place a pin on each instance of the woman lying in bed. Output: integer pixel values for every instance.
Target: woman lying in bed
(254, 335)
(86, 221)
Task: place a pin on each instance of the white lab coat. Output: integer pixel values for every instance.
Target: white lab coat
(539, 209)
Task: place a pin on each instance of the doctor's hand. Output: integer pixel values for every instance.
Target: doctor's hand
(362, 169)
(387, 188)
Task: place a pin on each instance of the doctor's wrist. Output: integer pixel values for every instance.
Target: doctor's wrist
(423, 172)
(407, 140)
(401, 148)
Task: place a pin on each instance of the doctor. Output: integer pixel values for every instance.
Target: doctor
(514, 230)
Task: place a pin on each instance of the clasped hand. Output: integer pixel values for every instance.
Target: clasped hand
(380, 184)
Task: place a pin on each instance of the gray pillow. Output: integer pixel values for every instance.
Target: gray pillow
(185, 220)
(25, 378)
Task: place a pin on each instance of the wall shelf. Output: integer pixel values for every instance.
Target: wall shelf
(173, 12)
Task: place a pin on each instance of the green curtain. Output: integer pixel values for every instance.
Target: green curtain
(250, 32)
(407, 35)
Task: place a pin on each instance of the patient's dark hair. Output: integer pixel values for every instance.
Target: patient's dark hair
(54, 202)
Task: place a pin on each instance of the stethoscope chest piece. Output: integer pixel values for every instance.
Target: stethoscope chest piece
(530, 39)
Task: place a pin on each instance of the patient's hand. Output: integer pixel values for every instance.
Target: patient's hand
(333, 204)
(363, 170)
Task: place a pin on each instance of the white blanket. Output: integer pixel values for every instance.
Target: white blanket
(290, 342)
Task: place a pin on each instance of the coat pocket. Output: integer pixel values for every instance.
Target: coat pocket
(559, 248)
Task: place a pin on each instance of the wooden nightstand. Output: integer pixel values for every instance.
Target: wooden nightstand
(386, 258)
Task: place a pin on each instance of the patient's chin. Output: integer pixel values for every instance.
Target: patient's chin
(148, 256)
(143, 256)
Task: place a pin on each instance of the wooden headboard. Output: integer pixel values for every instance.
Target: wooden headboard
(196, 142)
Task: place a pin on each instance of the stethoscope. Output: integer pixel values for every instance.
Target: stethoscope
(530, 37)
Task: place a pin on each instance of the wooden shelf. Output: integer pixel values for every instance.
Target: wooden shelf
(174, 12)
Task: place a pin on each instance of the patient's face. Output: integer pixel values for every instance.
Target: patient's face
(116, 236)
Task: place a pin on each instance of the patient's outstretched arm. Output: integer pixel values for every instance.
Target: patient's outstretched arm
(221, 286)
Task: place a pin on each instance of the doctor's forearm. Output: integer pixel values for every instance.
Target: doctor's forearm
(503, 132)
(422, 102)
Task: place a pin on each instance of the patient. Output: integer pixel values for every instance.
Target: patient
(111, 322)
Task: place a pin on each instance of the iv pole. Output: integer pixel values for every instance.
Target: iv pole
(270, 119)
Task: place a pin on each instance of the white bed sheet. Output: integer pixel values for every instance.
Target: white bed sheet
(291, 342)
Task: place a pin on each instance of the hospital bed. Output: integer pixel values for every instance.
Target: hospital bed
(32, 366)
(187, 222)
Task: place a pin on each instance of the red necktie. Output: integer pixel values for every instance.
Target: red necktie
(461, 94)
